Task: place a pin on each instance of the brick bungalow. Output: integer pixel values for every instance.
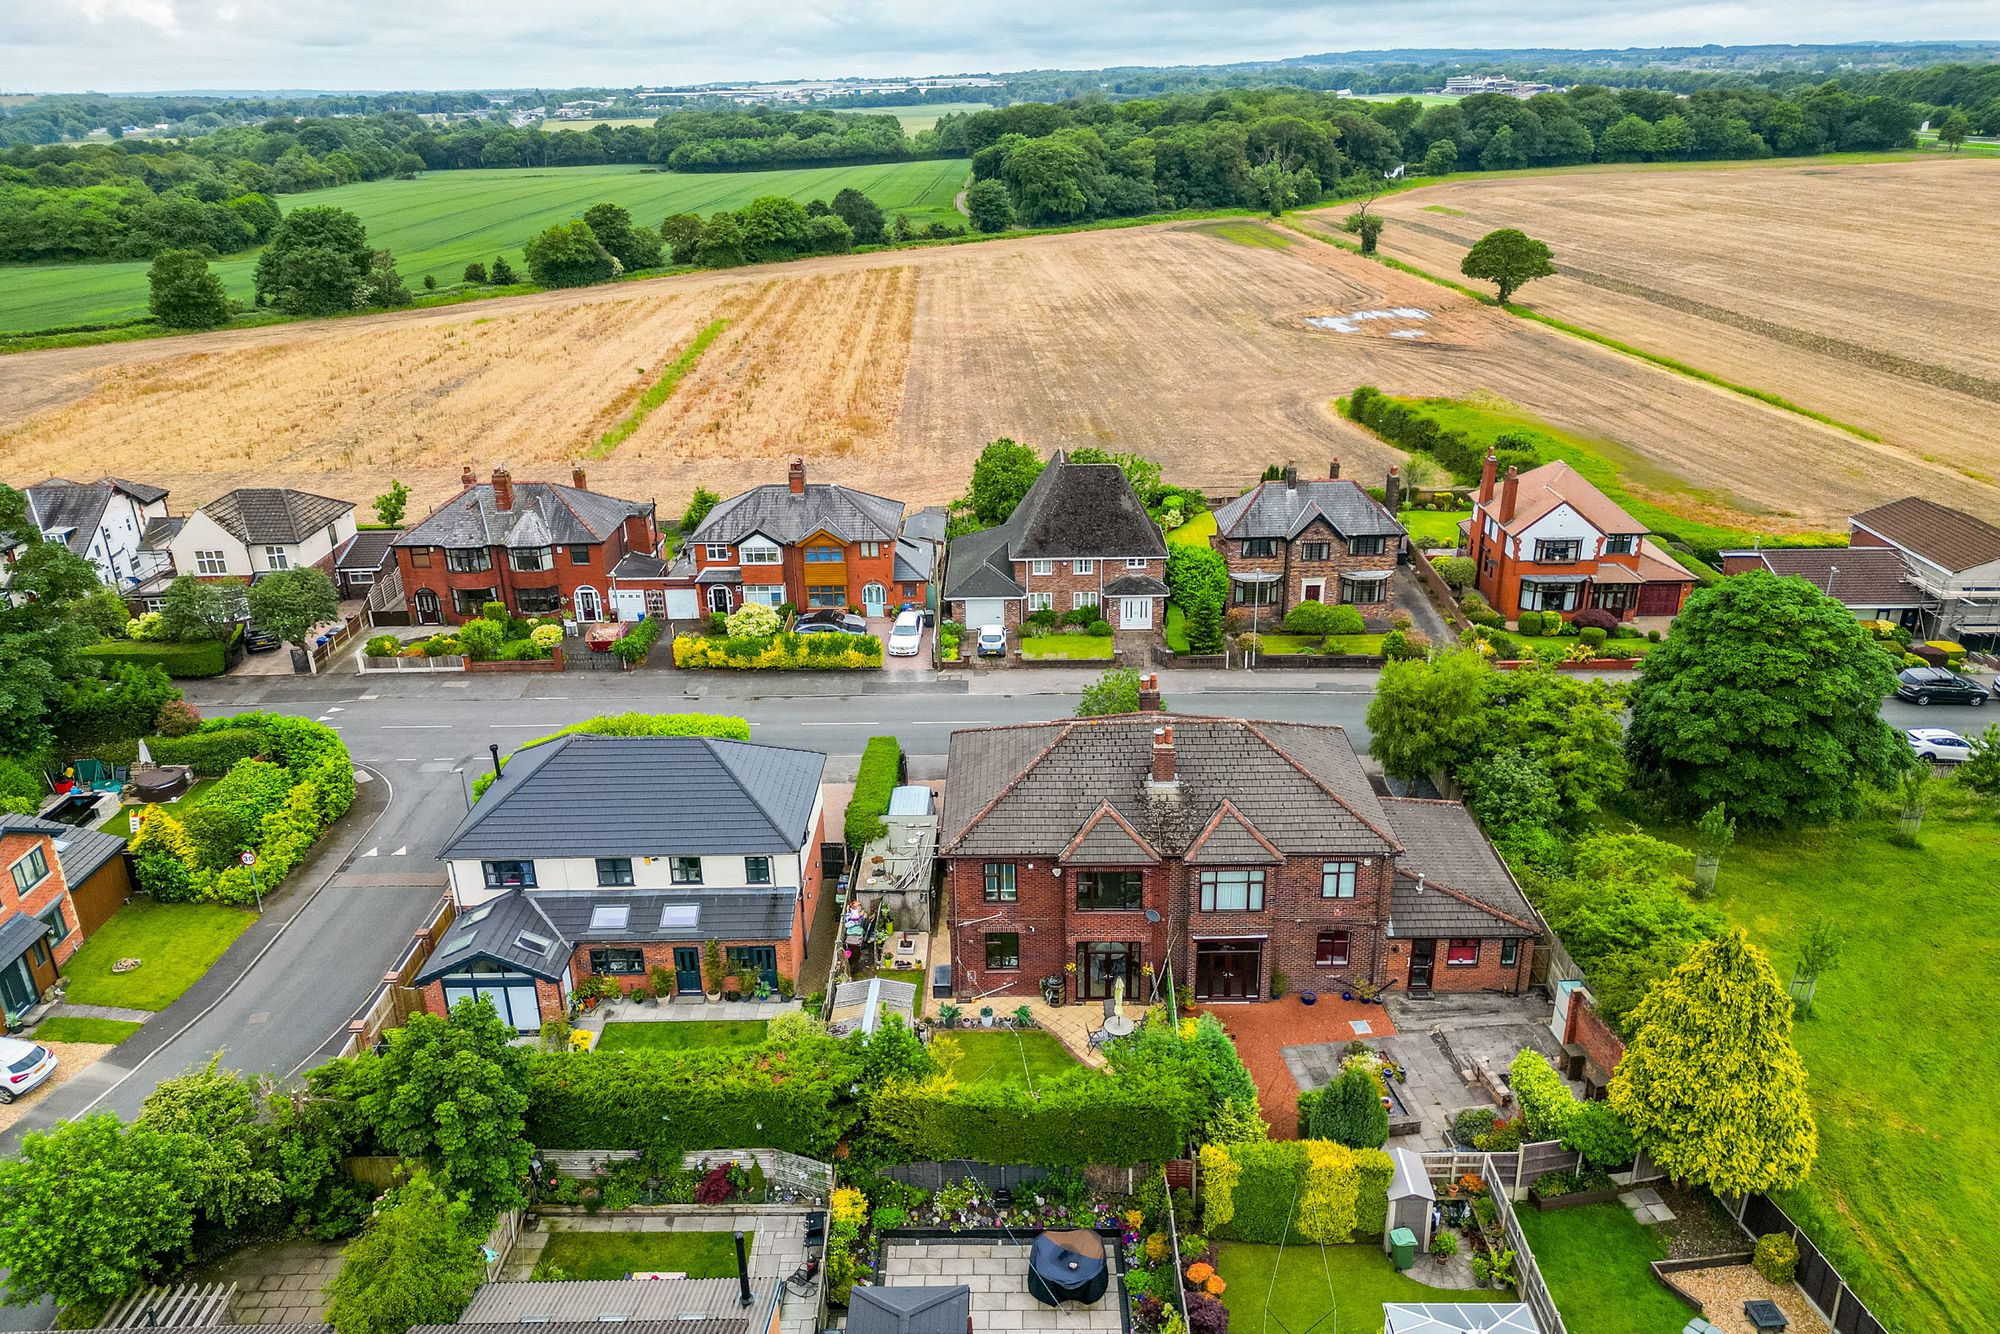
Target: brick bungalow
(62, 883)
(1095, 850)
(612, 856)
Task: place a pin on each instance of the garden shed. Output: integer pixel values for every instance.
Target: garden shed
(1453, 1318)
(1412, 1198)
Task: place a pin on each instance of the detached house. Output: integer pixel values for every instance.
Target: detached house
(1223, 848)
(1079, 538)
(1321, 540)
(254, 531)
(1952, 559)
(1547, 540)
(108, 522)
(611, 856)
(811, 544)
(536, 547)
(61, 884)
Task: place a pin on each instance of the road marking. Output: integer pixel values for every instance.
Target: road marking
(324, 718)
(416, 727)
(436, 758)
(405, 759)
(403, 851)
(548, 696)
(372, 852)
(371, 697)
(909, 722)
(335, 708)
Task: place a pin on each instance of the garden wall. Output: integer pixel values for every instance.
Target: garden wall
(369, 664)
(552, 663)
(789, 1170)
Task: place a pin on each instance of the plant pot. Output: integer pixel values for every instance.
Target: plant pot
(1347, 995)
(711, 996)
(1308, 998)
(732, 996)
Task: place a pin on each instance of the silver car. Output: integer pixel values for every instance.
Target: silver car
(26, 1065)
(906, 636)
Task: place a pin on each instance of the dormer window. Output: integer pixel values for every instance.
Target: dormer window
(1622, 544)
(760, 552)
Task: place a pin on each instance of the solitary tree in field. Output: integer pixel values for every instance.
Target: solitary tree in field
(1507, 259)
(1710, 1084)
(475, 272)
(502, 273)
(987, 204)
(1954, 129)
(185, 294)
(568, 255)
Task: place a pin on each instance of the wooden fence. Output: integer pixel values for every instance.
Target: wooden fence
(1817, 1278)
(1527, 1274)
(1512, 1173)
(500, 1243)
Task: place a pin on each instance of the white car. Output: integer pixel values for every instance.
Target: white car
(1940, 745)
(23, 1066)
(906, 636)
(992, 641)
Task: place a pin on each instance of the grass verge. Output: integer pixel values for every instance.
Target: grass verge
(1324, 1289)
(1177, 638)
(1594, 1260)
(662, 389)
(175, 943)
(1010, 1056)
(73, 1028)
(1196, 531)
(682, 1036)
(1077, 648)
(617, 1255)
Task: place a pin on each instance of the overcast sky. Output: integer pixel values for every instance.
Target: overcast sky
(125, 45)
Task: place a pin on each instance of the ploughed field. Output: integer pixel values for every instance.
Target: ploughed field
(1216, 348)
(1867, 291)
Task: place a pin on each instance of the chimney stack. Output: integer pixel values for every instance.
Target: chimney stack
(1163, 756)
(467, 479)
(1333, 471)
(578, 478)
(1392, 490)
(503, 489)
(1509, 489)
(1486, 475)
(797, 477)
(1149, 693)
(1291, 477)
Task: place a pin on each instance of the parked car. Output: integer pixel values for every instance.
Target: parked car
(829, 623)
(27, 1064)
(259, 641)
(906, 636)
(1935, 685)
(1941, 745)
(992, 641)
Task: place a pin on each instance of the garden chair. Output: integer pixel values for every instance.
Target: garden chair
(1100, 1037)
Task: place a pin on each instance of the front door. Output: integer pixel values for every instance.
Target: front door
(1135, 613)
(1227, 969)
(1312, 590)
(874, 599)
(718, 598)
(428, 611)
(687, 970)
(17, 988)
(588, 608)
(1423, 957)
(751, 963)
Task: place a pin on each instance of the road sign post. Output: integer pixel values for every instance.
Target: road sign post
(249, 859)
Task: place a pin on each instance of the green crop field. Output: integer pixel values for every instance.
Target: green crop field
(441, 221)
(921, 116)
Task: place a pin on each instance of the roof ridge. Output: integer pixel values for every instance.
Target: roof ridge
(1346, 805)
(1472, 902)
(1229, 808)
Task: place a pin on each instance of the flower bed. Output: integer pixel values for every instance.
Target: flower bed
(781, 652)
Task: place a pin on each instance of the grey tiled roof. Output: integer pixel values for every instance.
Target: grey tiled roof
(927, 524)
(1944, 536)
(1467, 888)
(1028, 789)
(80, 852)
(17, 933)
(746, 914)
(1073, 509)
(493, 930)
(777, 513)
(976, 566)
(638, 565)
(143, 492)
(914, 560)
(1106, 840)
(366, 550)
(1273, 509)
(160, 533)
(1135, 586)
(254, 514)
(75, 508)
(599, 796)
(1869, 576)
(1230, 840)
(606, 1300)
(911, 1310)
(542, 514)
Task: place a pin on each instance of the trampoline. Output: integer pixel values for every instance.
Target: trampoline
(1068, 1267)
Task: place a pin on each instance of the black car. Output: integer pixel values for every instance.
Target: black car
(829, 623)
(1935, 685)
(258, 641)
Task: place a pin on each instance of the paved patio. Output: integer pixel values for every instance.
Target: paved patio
(1440, 1038)
(681, 1010)
(997, 1273)
(1263, 1029)
(1070, 1025)
(277, 1283)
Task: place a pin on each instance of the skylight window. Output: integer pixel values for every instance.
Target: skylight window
(610, 916)
(457, 943)
(534, 944)
(680, 917)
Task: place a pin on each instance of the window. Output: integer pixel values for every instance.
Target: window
(1260, 546)
(1000, 887)
(756, 870)
(614, 870)
(1315, 551)
(1621, 544)
(715, 551)
(765, 597)
(1332, 950)
(1003, 949)
(1557, 551)
(1539, 595)
(1364, 546)
(579, 555)
(617, 962)
(824, 555)
(1611, 597)
(1083, 566)
(468, 601)
(1336, 880)
(1135, 562)
(58, 926)
(31, 870)
(610, 916)
(277, 558)
(684, 870)
(1254, 595)
(467, 560)
(1041, 567)
(530, 560)
(420, 558)
(211, 562)
(827, 595)
(760, 555)
(1510, 953)
(1232, 891)
(1079, 600)
(1110, 891)
(871, 548)
(157, 604)
(538, 601)
(1461, 953)
(1363, 590)
(1040, 602)
(509, 875)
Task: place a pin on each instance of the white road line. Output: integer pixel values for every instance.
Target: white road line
(416, 727)
(372, 852)
(405, 759)
(549, 697)
(335, 708)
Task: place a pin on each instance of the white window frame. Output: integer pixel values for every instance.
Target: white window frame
(1078, 601)
(1041, 602)
(531, 560)
(1342, 877)
(211, 562)
(750, 553)
(277, 558)
(1083, 565)
(715, 551)
(871, 549)
(763, 595)
(1135, 562)
(1041, 567)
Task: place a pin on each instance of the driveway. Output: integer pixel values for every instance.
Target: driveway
(1441, 1039)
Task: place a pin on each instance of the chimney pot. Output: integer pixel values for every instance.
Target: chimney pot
(1333, 470)
(578, 478)
(1163, 754)
(1486, 474)
(503, 488)
(1509, 490)
(1149, 693)
(467, 479)
(796, 476)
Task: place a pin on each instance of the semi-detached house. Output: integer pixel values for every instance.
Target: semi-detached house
(253, 531)
(108, 522)
(1320, 540)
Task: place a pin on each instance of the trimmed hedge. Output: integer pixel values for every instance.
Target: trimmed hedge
(1294, 1190)
(1546, 1102)
(786, 652)
(881, 767)
(210, 752)
(1406, 424)
(632, 647)
(1078, 1118)
(200, 658)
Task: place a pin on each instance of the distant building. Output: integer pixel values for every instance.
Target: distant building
(1470, 85)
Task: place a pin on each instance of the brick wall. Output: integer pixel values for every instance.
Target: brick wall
(1489, 974)
(1296, 571)
(1587, 1029)
(1063, 583)
(13, 847)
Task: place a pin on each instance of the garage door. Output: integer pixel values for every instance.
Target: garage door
(683, 604)
(985, 611)
(629, 604)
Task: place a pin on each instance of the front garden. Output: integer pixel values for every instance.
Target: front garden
(1080, 635)
(175, 944)
(492, 636)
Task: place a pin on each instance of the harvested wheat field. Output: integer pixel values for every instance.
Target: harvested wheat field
(1214, 349)
(1870, 292)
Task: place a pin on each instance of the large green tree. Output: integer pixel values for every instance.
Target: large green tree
(43, 628)
(681, 233)
(293, 603)
(315, 261)
(185, 295)
(1431, 718)
(1507, 258)
(216, 1114)
(860, 213)
(193, 609)
(568, 255)
(1710, 1083)
(417, 1263)
(633, 247)
(1766, 696)
(988, 206)
(1198, 578)
(1000, 477)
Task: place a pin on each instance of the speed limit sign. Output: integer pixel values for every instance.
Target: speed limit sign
(247, 858)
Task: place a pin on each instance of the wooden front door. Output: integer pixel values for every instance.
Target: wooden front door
(1227, 969)
(1423, 958)
(687, 970)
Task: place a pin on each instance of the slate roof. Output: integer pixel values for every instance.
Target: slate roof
(1073, 509)
(731, 914)
(1135, 586)
(615, 1300)
(17, 933)
(784, 517)
(254, 514)
(543, 514)
(910, 1310)
(639, 565)
(915, 561)
(599, 796)
(1274, 509)
(1949, 538)
(1031, 789)
(1107, 839)
(1551, 485)
(1467, 890)
(160, 533)
(143, 492)
(927, 524)
(80, 852)
(1872, 577)
(1231, 840)
(75, 508)
(493, 930)
(366, 550)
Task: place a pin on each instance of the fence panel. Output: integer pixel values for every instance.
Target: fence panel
(1527, 1274)
(1817, 1277)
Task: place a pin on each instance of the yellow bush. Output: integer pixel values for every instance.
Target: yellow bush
(1219, 1175)
(849, 1206)
(1326, 1203)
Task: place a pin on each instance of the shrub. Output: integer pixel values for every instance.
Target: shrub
(1473, 1122)
(1080, 616)
(1592, 636)
(1310, 618)
(786, 652)
(1458, 572)
(1530, 623)
(481, 637)
(383, 646)
(1594, 617)
(1250, 1191)
(182, 661)
(1600, 1135)
(881, 769)
(1098, 629)
(1546, 1103)
(1072, 1120)
(632, 647)
(1776, 1256)
(210, 750)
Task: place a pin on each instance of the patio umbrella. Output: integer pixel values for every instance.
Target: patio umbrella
(145, 755)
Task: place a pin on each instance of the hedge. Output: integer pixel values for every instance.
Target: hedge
(1294, 1190)
(786, 652)
(211, 752)
(881, 769)
(632, 647)
(204, 657)
(1546, 1102)
(1076, 1119)
(1406, 424)
(722, 725)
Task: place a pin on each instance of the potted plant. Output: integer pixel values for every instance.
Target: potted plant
(986, 1016)
(711, 972)
(1443, 1246)
(640, 995)
(948, 1016)
(1500, 1268)
(1482, 1271)
(1023, 1017)
(1308, 998)
(1052, 991)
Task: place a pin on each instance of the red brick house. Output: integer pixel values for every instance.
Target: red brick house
(811, 544)
(612, 856)
(61, 884)
(1550, 541)
(538, 547)
(1319, 540)
(1095, 851)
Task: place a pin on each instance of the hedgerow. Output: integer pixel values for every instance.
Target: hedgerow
(1294, 1190)
(881, 767)
(786, 652)
(200, 658)
(1078, 1118)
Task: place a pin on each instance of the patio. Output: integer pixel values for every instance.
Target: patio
(1263, 1030)
(997, 1274)
(1070, 1025)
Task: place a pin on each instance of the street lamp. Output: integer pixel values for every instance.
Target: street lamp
(464, 785)
(1831, 571)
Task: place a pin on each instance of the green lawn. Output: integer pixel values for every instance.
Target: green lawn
(1008, 1056)
(1594, 1260)
(442, 220)
(1284, 645)
(1196, 531)
(1088, 648)
(120, 823)
(1899, 1054)
(175, 942)
(1440, 527)
(66, 1028)
(614, 1255)
(1177, 639)
(682, 1035)
(1350, 1281)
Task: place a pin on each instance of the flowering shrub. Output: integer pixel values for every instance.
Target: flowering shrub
(714, 1187)
(1214, 1287)
(1200, 1271)
(785, 652)
(177, 718)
